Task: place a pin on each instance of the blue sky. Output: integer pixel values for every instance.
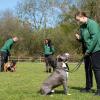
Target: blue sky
(11, 4)
(5, 4)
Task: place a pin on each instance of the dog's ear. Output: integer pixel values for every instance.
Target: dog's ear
(14, 61)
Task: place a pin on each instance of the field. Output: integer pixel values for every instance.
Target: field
(26, 81)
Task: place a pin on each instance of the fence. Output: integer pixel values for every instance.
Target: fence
(30, 59)
(36, 59)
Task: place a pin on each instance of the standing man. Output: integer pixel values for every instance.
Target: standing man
(84, 35)
(5, 51)
(93, 45)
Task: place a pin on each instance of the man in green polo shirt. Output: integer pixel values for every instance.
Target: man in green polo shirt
(93, 44)
(5, 51)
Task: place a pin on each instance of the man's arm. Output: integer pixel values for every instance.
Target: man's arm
(93, 30)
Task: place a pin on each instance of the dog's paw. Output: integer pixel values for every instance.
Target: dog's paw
(52, 91)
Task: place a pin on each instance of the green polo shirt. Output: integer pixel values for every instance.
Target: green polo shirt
(94, 41)
(48, 50)
(7, 46)
(84, 35)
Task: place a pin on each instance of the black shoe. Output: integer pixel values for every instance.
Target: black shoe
(85, 90)
(49, 70)
(97, 93)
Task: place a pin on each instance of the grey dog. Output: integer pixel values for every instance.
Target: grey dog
(58, 77)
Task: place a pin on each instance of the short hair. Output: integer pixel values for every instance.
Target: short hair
(80, 14)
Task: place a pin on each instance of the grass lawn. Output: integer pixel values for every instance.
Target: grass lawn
(26, 81)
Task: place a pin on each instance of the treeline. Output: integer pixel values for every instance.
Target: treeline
(34, 20)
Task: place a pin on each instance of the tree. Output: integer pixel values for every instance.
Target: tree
(91, 7)
(34, 11)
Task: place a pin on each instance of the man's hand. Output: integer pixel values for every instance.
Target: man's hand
(77, 36)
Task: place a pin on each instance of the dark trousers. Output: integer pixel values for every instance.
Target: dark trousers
(3, 59)
(88, 72)
(50, 62)
(96, 67)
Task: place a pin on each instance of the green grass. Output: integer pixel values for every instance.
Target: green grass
(27, 80)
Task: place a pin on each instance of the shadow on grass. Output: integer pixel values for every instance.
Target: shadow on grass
(56, 92)
(59, 92)
(79, 88)
(76, 88)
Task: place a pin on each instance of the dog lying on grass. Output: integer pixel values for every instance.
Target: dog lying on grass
(58, 77)
(10, 66)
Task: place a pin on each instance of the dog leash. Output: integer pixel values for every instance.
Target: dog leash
(77, 66)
